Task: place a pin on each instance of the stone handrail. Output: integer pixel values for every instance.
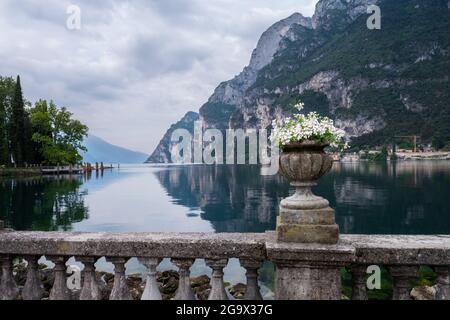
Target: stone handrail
(173, 245)
(400, 249)
(303, 271)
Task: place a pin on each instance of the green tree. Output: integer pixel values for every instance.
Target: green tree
(438, 142)
(32, 150)
(384, 153)
(58, 137)
(17, 137)
(7, 87)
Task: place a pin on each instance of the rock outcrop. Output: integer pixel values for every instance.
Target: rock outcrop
(231, 92)
(328, 12)
(162, 153)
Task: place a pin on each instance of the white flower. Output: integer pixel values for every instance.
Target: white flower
(310, 127)
(299, 106)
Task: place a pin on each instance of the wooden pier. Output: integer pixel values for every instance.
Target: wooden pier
(75, 169)
(88, 167)
(38, 170)
(49, 170)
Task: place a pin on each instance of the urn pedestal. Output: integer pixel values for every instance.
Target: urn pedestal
(305, 217)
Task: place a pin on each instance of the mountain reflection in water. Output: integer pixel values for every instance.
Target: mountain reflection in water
(400, 198)
(233, 198)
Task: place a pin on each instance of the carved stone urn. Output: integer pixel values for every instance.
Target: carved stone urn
(305, 217)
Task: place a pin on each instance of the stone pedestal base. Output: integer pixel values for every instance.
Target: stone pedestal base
(306, 218)
(304, 233)
(295, 224)
(308, 271)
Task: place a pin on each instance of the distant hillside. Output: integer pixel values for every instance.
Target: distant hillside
(101, 151)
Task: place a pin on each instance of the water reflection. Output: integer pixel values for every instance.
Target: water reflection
(232, 198)
(399, 198)
(402, 198)
(42, 203)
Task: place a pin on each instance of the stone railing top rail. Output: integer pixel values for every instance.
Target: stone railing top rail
(157, 245)
(401, 249)
(360, 249)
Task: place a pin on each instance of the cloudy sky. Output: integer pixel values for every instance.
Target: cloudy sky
(135, 66)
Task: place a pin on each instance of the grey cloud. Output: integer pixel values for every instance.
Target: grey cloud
(136, 66)
(26, 10)
(175, 8)
(153, 56)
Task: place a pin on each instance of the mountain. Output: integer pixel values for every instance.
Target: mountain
(162, 151)
(375, 84)
(101, 151)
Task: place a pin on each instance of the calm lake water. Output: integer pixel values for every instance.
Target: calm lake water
(403, 198)
(411, 197)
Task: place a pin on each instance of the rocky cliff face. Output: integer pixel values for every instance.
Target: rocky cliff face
(332, 13)
(374, 83)
(231, 92)
(162, 153)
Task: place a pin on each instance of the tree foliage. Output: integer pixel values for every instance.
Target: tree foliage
(7, 88)
(18, 137)
(58, 136)
(39, 134)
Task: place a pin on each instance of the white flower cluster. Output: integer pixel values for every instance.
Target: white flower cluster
(311, 127)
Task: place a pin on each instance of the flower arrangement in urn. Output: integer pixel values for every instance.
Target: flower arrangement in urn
(304, 217)
(310, 128)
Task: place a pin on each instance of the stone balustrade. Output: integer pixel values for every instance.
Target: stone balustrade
(303, 271)
(149, 248)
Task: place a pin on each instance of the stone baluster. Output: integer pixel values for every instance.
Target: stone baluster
(402, 275)
(8, 287)
(443, 283)
(184, 291)
(217, 287)
(33, 289)
(151, 291)
(90, 289)
(59, 290)
(120, 289)
(359, 276)
(252, 291)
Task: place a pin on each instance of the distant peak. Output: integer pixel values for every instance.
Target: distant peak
(295, 15)
(190, 114)
(327, 9)
(269, 42)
